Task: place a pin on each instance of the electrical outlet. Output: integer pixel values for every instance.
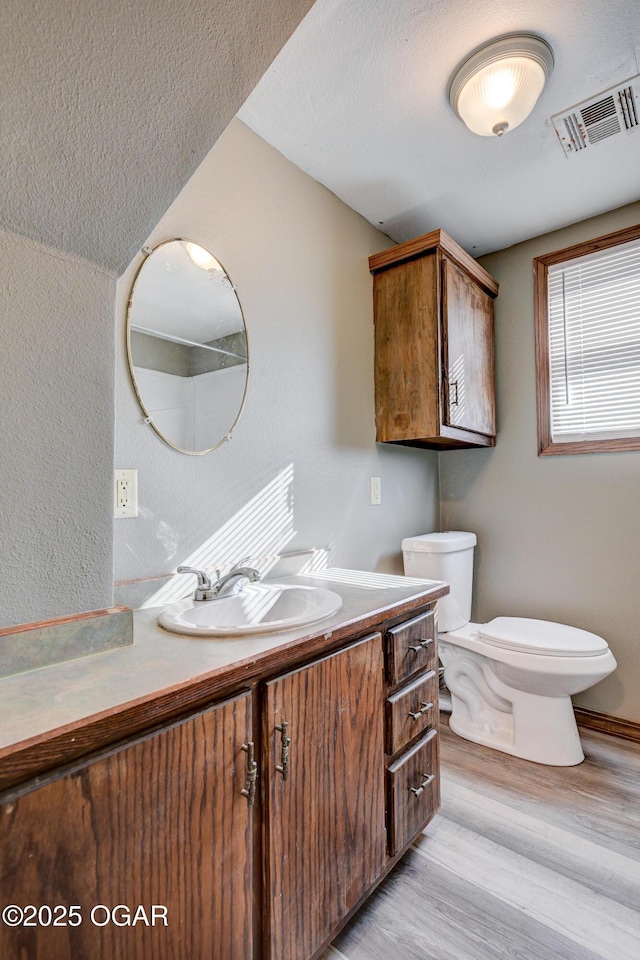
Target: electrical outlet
(375, 491)
(125, 494)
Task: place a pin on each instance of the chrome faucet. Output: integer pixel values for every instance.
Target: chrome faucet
(232, 582)
(237, 578)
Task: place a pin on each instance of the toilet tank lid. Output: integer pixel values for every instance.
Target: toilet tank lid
(542, 636)
(447, 542)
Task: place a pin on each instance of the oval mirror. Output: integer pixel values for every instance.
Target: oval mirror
(187, 346)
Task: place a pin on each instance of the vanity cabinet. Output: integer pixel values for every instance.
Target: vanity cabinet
(254, 826)
(159, 820)
(434, 345)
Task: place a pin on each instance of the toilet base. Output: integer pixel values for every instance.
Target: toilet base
(539, 729)
(516, 702)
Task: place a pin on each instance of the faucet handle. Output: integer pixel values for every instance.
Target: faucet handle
(203, 578)
(204, 590)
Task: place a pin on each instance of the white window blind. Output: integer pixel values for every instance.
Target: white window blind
(594, 345)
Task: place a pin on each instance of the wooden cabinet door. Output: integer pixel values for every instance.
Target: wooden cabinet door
(406, 350)
(157, 821)
(469, 401)
(325, 839)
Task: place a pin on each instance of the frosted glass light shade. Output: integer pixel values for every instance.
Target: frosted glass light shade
(497, 87)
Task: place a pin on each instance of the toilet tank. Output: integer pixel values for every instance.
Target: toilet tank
(444, 556)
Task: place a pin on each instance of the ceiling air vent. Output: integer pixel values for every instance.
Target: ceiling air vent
(611, 112)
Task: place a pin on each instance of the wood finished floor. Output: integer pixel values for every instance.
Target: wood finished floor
(523, 862)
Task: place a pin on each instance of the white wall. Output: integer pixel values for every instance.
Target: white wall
(169, 401)
(194, 413)
(217, 398)
(56, 432)
(296, 472)
(559, 537)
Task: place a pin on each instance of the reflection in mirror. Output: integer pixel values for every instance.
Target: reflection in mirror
(187, 346)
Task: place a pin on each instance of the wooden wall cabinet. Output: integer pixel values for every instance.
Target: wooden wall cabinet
(262, 868)
(434, 345)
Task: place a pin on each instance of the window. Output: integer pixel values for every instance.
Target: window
(587, 310)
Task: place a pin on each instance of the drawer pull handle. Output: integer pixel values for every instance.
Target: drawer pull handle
(283, 766)
(249, 790)
(422, 645)
(428, 777)
(424, 708)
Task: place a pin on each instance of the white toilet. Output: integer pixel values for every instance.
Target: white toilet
(511, 679)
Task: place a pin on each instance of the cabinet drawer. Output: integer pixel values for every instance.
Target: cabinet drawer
(413, 784)
(411, 711)
(411, 647)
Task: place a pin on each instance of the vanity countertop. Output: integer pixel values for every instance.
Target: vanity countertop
(170, 673)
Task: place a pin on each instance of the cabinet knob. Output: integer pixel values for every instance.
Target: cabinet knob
(428, 778)
(421, 645)
(424, 708)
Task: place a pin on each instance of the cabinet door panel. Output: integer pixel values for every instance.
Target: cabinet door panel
(160, 820)
(325, 843)
(469, 353)
(406, 350)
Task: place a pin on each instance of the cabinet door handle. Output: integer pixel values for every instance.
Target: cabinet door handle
(424, 708)
(453, 398)
(285, 742)
(249, 789)
(428, 777)
(421, 645)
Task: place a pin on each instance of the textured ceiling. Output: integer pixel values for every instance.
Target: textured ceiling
(106, 109)
(358, 99)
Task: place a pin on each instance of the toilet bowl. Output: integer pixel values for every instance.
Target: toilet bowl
(511, 680)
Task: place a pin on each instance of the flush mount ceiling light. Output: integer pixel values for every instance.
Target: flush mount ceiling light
(497, 87)
(200, 257)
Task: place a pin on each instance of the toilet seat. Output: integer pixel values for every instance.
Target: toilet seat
(541, 637)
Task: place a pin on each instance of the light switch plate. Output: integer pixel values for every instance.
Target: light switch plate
(375, 491)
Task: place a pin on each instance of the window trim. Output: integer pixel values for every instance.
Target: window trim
(546, 446)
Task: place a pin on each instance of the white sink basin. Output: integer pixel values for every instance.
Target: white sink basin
(258, 608)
